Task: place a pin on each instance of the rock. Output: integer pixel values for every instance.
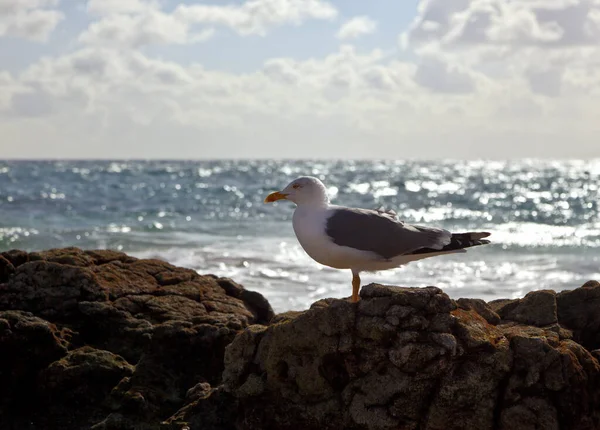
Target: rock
(503, 305)
(16, 257)
(254, 301)
(579, 310)
(405, 358)
(549, 380)
(481, 307)
(82, 379)
(28, 344)
(536, 308)
(213, 409)
(6, 269)
(137, 334)
(102, 340)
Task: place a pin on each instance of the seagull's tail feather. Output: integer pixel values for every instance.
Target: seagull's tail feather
(457, 242)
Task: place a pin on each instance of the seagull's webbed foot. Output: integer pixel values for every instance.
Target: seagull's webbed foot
(355, 287)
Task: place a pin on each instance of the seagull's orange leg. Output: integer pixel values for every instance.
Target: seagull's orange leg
(355, 287)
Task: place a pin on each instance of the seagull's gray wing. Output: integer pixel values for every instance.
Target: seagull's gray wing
(381, 233)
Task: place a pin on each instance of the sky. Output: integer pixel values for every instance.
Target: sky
(393, 79)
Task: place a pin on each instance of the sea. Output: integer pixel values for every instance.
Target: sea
(209, 216)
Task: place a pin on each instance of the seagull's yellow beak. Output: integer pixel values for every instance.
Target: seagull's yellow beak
(273, 197)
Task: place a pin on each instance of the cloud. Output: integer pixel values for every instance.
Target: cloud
(114, 93)
(537, 43)
(31, 104)
(257, 16)
(519, 23)
(109, 98)
(483, 79)
(440, 76)
(545, 81)
(356, 27)
(149, 28)
(8, 86)
(111, 7)
(28, 19)
(136, 23)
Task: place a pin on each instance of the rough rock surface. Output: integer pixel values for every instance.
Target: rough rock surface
(101, 338)
(537, 308)
(579, 310)
(412, 359)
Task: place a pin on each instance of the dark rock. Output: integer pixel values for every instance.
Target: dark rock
(16, 257)
(481, 307)
(551, 379)
(93, 316)
(6, 269)
(503, 305)
(407, 358)
(579, 310)
(536, 308)
(28, 344)
(255, 302)
(211, 409)
(82, 379)
(102, 340)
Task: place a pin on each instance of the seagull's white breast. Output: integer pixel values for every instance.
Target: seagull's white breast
(310, 228)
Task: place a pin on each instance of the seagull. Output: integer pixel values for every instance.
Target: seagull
(363, 240)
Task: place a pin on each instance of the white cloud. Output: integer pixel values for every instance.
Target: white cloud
(110, 7)
(7, 87)
(257, 16)
(29, 19)
(136, 23)
(150, 28)
(486, 78)
(497, 22)
(440, 76)
(356, 27)
(111, 98)
(538, 43)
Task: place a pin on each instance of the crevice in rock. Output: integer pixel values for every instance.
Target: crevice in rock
(499, 404)
(429, 401)
(333, 370)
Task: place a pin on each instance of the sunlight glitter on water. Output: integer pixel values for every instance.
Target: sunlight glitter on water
(210, 216)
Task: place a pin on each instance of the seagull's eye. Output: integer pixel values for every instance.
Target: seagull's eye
(296, 186)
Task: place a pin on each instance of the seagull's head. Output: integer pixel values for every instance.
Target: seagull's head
(302, 191)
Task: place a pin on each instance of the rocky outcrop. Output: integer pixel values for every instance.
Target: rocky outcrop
(99, 338)
(536, 308)
(414, 359)
(102, 340)
(579, 310)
